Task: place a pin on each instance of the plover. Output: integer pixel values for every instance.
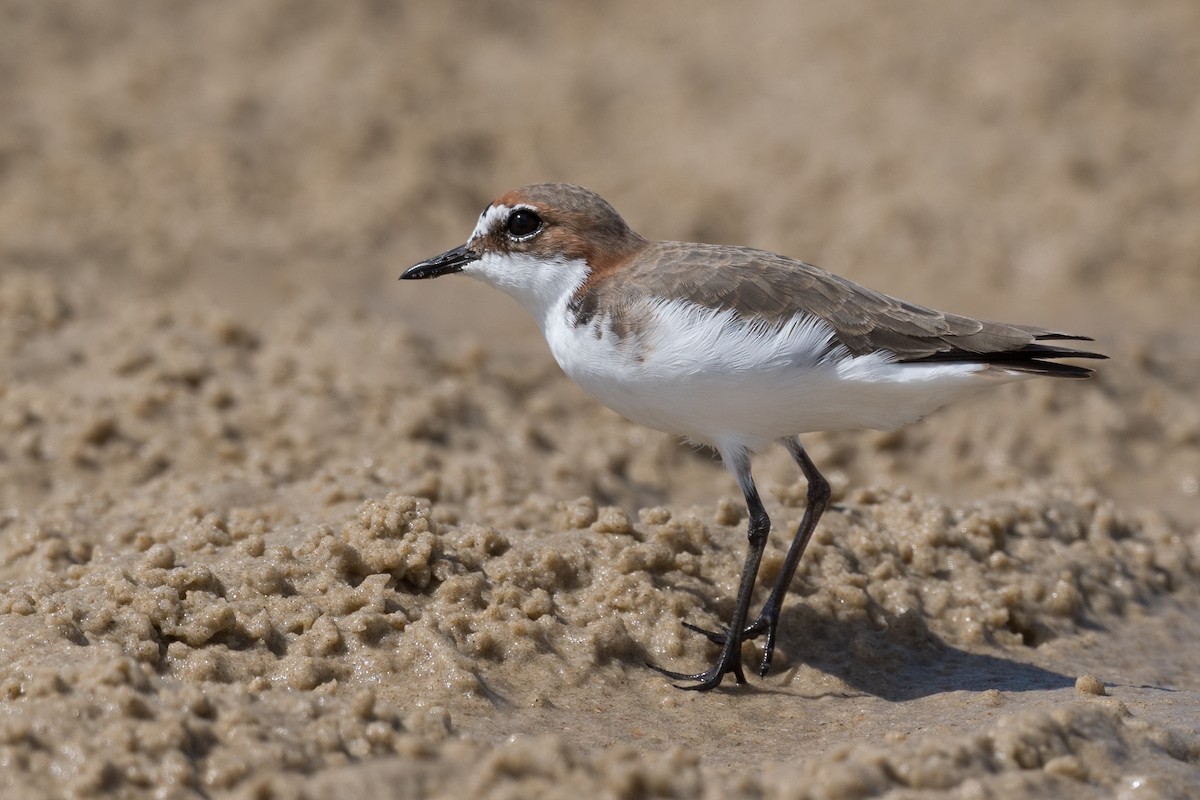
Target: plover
(736, 349)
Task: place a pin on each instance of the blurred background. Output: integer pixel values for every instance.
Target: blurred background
(283, 161)
(1028, 161)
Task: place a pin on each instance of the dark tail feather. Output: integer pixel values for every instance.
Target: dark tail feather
(1034, 358)
(1049, 369)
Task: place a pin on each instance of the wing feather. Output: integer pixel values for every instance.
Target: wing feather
(760, 285)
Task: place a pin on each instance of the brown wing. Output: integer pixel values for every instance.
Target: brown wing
(762, 285)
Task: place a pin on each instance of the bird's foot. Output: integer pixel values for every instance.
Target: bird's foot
(730, 661)
(765, 623)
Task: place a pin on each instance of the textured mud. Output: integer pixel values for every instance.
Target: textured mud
(273, 524)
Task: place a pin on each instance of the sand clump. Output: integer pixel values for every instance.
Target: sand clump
(275, 525)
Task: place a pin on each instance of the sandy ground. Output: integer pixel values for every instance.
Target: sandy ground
(273, 524)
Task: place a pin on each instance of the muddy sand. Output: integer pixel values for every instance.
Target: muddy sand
(273, 524)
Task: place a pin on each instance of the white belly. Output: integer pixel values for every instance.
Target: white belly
(716, 379)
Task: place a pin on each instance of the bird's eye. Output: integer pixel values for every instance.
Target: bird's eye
(523, 223)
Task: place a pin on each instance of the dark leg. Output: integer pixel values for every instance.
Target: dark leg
(768, 620)
(759, 527)
(818, 499)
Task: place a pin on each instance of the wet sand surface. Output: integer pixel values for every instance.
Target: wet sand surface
(273, 524)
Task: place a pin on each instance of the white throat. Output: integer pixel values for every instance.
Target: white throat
(543, 286)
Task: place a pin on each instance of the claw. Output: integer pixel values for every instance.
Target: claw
(767, 625)
(716, 637)
(701, 681)
(764, 666)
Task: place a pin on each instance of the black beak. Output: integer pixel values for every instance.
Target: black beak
(449, 261)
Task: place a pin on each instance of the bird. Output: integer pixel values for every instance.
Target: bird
(736, 349)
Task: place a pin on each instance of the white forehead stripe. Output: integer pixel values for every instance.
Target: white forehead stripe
(488, 219)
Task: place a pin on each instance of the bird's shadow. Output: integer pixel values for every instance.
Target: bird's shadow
(901, 659)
